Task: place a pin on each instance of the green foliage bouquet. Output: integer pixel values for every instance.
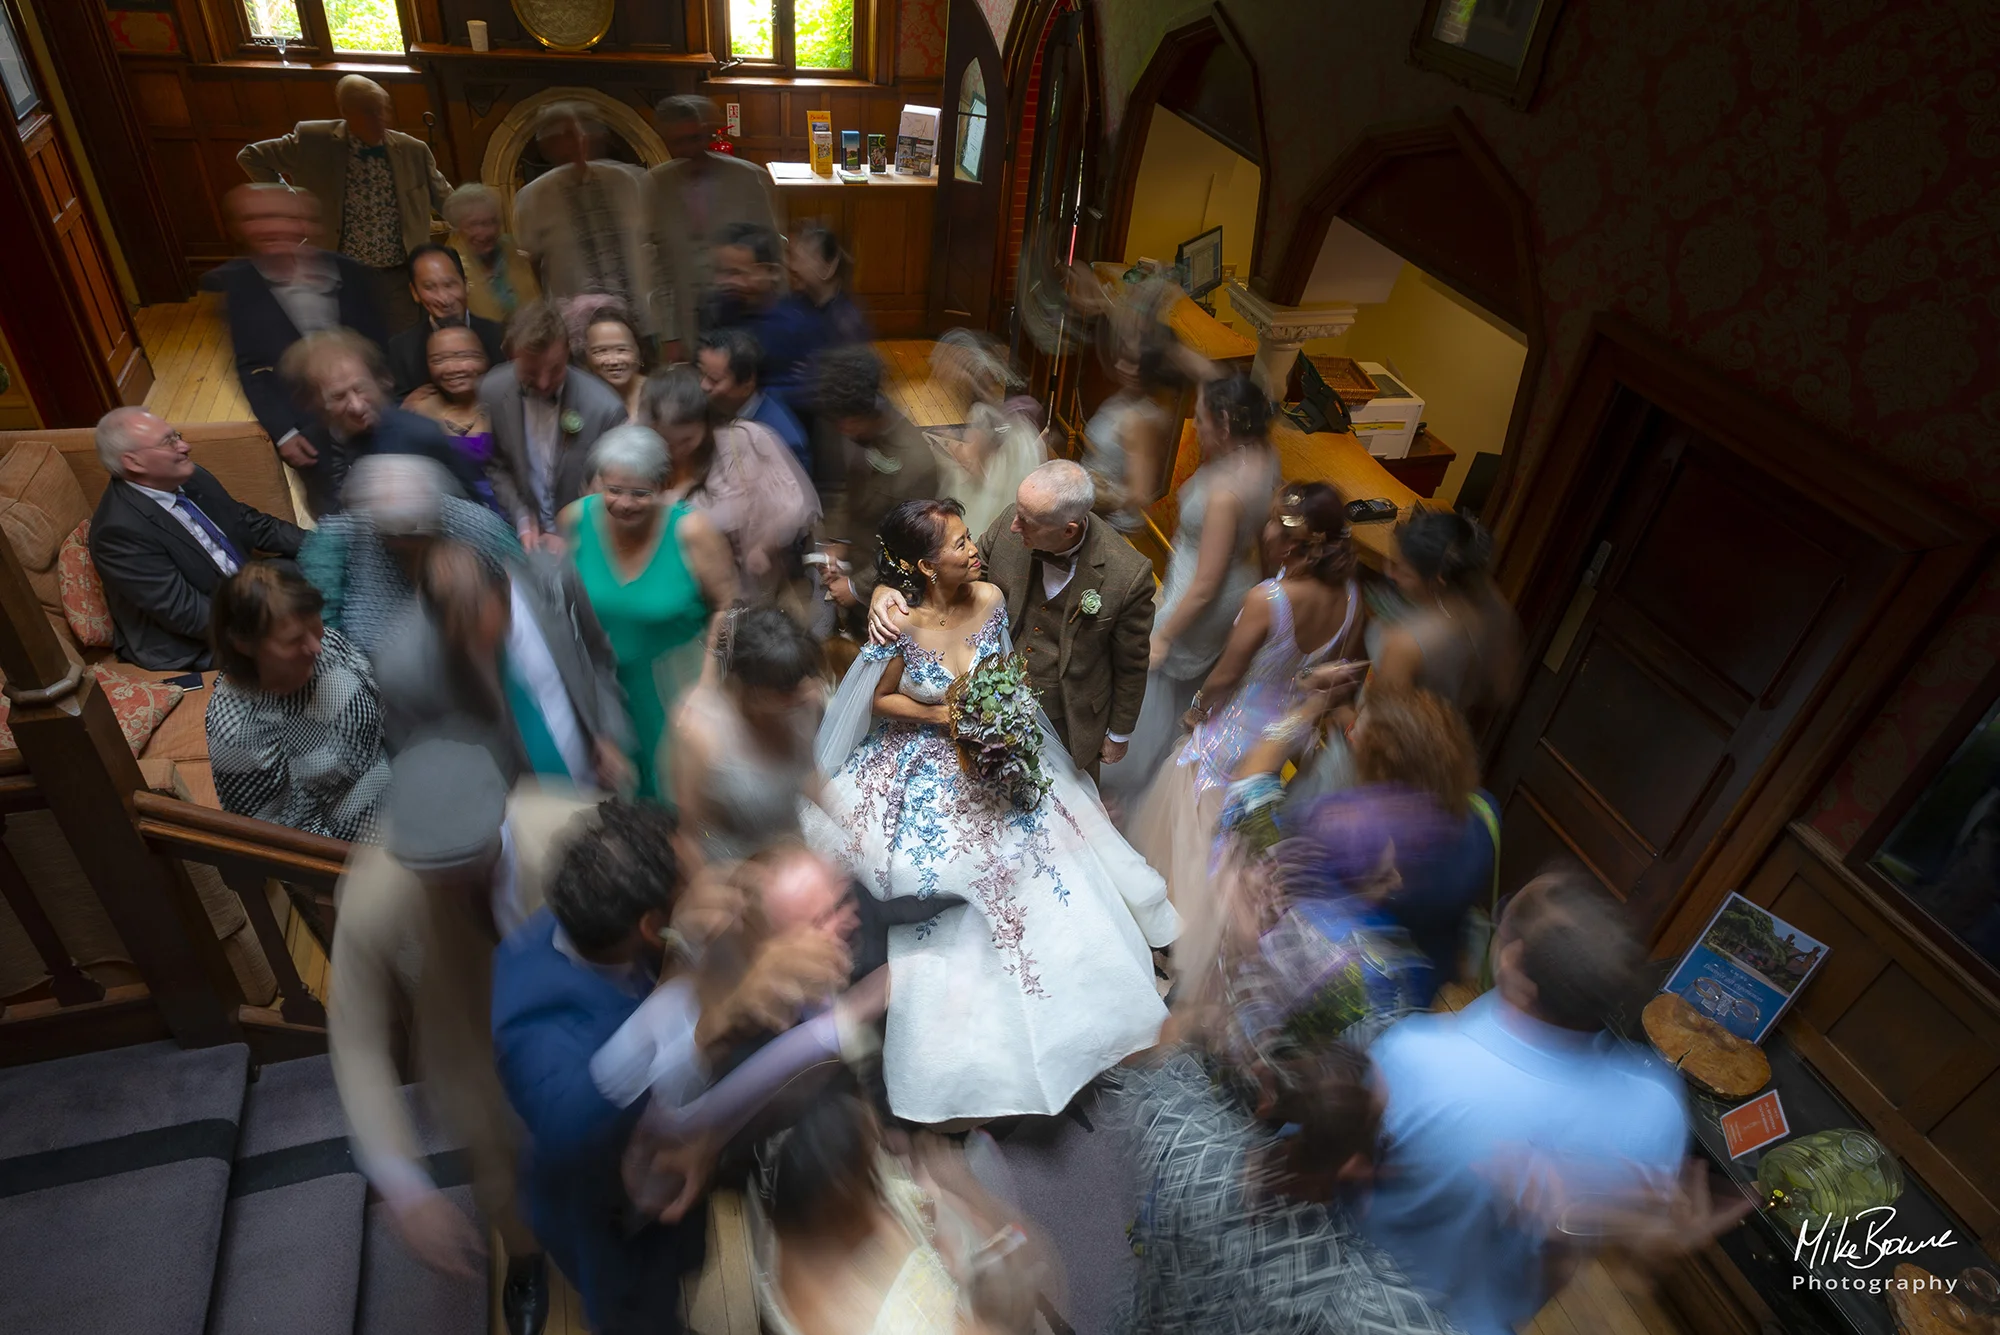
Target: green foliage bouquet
(992, 710)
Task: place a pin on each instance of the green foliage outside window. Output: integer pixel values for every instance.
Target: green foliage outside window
(751, 35)
(274, 18)
(824, 32)
(365, 25)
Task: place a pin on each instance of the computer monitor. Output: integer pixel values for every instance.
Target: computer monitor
(1199, 262)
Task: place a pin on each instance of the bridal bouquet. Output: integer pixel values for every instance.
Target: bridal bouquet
(992, 710)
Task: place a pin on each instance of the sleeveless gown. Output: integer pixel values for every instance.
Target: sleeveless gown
(1044, 978)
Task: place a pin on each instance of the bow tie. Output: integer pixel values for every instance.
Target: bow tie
(376, 151)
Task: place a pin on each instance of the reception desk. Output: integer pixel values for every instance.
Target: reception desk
(885, 225)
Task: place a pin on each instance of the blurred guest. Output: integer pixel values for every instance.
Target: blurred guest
(164, 536)
(987, 459)
(499, 279)
(455, 361)
(284, 289)
(513, 658)
(461, 866)
(581, 221)
(820, 270)
(878, 460)
(601, 1034)
(341, 378)
(743, 743)
(1461, 640)
(655, 571)
(730, 364)
(608, 343)
(748, 291)
(376, 186)
(437, 281)
(1310, 613)
(294, 725)
(1214, 564)
(1130, 438)
(1521, 1095)
(736, 473)
(364, 560)
(546, 416)
(690, 202)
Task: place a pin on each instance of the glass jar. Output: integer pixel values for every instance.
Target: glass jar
(1828, 1175)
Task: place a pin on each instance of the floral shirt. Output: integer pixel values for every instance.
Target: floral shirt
(371, 225)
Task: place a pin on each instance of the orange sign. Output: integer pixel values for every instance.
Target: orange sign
(1754, 1125)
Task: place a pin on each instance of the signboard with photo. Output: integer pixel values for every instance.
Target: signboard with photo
(1746, 967)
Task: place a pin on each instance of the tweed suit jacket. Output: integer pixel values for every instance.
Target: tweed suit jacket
(1101, 666)
(313, 157)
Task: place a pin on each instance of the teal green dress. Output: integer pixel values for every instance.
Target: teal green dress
(656, 622)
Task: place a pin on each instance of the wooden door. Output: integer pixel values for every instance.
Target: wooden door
(1716, 598)
(973, 137)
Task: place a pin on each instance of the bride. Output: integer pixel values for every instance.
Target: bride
(1042, 979)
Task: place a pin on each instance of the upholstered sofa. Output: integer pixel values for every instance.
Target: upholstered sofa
(50, 482)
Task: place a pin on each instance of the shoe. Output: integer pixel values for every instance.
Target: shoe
(524, 1299)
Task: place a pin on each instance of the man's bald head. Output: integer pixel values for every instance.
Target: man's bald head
(799, 889)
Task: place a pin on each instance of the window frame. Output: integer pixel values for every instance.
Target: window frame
(316, 46)
(784, 61)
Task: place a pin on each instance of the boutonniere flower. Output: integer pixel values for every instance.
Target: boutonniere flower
(572, 422)
(1092, 604)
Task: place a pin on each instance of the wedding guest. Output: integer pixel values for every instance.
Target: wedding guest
(455, 361)
(1461, 640)
(285, 288)
(1130, 438)
(512, 658)
(1214, 563)
(877, 460)
(690, 200)
(376, 186)
(1310, 614)
(581, 221)
(730, 364)
(341, 378)
(546, 416)
(437, 282)
(747, 290)
(499, 278)
(364, 560)
(743, 740)
(609, 344)
(163, 538)
(986, 460)
(736, 473)
(655, 571)
(820, 270)
(294, 724)
(1522, 1095)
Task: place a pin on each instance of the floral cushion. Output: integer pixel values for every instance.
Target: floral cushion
(84, 604)
(140, 706)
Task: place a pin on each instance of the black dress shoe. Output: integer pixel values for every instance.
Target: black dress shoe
(524, 1299)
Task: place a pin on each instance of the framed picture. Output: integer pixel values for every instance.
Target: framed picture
(1199, 263)
(16, 78)
(1746, 968)
(1492, 46)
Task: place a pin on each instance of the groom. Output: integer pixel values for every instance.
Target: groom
(1079, 606)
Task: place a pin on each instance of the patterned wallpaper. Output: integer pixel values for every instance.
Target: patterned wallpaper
(1807, 196)
(1000, 13)
(920, 39)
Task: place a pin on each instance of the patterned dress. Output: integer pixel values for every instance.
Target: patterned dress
(1013, 1002)
(313, 759)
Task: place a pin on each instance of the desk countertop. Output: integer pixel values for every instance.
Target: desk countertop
(795, 175)
(1194, 326)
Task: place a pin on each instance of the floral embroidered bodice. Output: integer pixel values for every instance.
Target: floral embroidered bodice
(925, 677)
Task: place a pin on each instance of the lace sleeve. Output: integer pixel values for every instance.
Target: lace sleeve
(852, 711)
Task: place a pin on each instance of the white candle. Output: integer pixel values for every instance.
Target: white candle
(475, 33)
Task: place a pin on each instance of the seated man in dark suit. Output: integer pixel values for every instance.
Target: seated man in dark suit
(437, 281)
(164, 535)
(283, 290)
(730, 362)
(340, 378)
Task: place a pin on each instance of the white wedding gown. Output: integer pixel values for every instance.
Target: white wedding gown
(1044, 979)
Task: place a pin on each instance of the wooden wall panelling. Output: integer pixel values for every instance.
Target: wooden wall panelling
(887, 230)
(1903, 1032)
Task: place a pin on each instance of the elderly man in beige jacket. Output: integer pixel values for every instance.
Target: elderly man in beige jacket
(689, 202)
(377, 187)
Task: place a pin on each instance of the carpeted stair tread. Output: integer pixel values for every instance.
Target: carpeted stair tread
(104, 1095)
(292, 1242)
(114, 1172)
(400, 1295)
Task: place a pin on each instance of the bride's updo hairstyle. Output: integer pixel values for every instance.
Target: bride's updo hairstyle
(1240, 405)
(912, 532)
(1314, 513)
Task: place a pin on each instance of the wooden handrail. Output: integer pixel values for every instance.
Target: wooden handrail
(204, 834)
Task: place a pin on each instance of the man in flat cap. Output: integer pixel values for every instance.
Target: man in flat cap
(462, 865)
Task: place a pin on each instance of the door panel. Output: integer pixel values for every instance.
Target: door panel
(1724, 596)
(973, 142)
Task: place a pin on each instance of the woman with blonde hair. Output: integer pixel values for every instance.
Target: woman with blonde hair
(981, 465)
(498, 278)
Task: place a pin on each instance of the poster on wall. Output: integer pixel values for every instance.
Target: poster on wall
(1745, 968)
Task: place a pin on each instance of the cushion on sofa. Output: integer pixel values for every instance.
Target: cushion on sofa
(41, 503)
(140, 706)
(85, 607)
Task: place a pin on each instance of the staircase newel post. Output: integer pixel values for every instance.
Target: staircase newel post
(70, 739)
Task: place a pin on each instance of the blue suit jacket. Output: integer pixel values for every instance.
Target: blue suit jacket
(772, 412)
(550, 1016)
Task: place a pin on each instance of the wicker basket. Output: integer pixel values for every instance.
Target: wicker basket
(1344, 376)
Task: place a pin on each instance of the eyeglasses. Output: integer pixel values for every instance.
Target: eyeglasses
(168, 441)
